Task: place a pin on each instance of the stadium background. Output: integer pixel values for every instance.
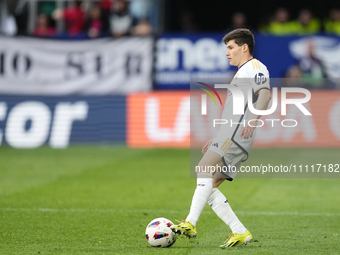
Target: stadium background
(111, 104)
(135, 95)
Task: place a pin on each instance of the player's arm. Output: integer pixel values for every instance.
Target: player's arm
(261, 104)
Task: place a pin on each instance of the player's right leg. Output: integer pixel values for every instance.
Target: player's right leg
(220, 205)
(201, 195)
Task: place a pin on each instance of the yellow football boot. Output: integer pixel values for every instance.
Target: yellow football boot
(184, 228)
(237, 240)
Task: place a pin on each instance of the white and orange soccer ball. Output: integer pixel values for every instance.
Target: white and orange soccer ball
(159, 234)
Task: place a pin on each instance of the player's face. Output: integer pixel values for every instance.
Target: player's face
(234, 53)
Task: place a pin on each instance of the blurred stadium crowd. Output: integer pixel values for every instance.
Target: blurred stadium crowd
(74, 18)
(116, 18)
(135, 90)
(141, 17)
(281, 24)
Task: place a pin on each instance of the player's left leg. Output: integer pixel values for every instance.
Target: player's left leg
(220, 205)
(201, 195)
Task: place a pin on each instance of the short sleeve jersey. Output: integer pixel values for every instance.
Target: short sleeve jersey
(254, 76)
(254, 73)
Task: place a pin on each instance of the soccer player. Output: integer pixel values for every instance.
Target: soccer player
(232, 144)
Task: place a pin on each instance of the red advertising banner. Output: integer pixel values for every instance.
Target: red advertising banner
(159, 119)
(162, 119)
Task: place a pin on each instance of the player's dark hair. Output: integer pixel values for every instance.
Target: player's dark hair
(241, 36)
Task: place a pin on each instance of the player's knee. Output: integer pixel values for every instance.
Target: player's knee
(208, 167)
(201, 169)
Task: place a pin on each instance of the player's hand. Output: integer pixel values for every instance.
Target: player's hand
(206, 146)
(247, 132)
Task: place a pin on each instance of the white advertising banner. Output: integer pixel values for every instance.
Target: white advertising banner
(31, 66)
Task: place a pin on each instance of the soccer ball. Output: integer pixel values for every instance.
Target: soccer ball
(159, 234)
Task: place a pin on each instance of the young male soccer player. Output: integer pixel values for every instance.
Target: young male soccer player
(232, 144)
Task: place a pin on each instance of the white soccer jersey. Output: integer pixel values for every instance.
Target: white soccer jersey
(254, 76)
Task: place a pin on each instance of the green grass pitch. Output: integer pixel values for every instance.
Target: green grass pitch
(98, 200)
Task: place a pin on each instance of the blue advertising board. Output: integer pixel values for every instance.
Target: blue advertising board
(33, 121)
(180, 57)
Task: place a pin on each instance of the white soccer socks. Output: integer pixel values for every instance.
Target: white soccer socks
(200, 198)
(221, 207)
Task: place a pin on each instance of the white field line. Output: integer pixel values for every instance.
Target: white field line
(81, 210)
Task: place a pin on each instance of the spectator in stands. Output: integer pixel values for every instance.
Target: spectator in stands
(239, 20)
(74, 17)
(21, 17)
(306, 24)
(142, 28)
(8, 24)
(312, 69)
(94, 23)
(332, 25)
(44, 28)
(264, 22)
(280, 24)
(188, 23)
(106, 8)
(147, 14)
(140, 9)
(293, 77)
(106, 4)
(121, 21)
(309, 72)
